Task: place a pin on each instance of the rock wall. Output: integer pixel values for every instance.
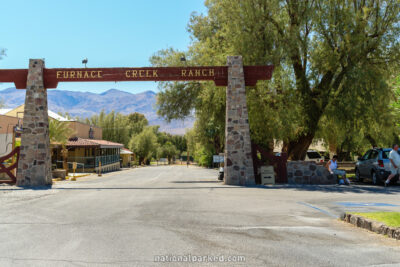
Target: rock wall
(238, 158)
(308, 172)
(34, 166)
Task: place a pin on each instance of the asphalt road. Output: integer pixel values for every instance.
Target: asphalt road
(135, 217)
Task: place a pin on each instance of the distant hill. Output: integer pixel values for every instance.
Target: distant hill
(86, 104)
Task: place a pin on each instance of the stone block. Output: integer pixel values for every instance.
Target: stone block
(298, 173)
(35, 166)
(298, 180)
(239, 167)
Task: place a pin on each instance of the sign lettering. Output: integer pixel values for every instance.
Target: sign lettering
(216, 74)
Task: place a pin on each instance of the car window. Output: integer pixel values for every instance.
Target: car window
(366, 155)
(385, 154)
(373, 154)
(313, 155)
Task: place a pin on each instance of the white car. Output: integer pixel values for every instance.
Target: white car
(313, 155)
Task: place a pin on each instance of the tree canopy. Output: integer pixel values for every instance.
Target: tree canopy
(333, 63)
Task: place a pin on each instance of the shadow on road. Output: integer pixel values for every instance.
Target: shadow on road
(340, 189)
(361, 189)
(196, 182)
(122, 188)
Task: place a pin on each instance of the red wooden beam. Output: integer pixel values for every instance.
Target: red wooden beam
(217, 74)
(16, 76)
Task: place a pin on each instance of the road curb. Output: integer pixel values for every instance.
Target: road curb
(374, 226)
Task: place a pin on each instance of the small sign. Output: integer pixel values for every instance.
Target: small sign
(163, 160)
(218, 159)
(267, 175)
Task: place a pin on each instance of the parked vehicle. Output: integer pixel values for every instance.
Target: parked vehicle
(374, 166)
(325, 156)
(313, 155)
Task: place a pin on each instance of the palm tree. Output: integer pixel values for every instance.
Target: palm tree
(60, 133)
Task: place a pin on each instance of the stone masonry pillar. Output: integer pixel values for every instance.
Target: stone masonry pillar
(34, 166)
(238, 158)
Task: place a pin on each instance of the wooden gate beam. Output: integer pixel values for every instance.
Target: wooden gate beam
(217, 74)
(8, 169)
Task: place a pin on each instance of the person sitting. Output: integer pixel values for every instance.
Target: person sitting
(332, 167)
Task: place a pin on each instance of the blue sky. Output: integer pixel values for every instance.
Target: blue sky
(117, 33)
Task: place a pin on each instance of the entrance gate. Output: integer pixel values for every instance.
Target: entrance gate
(34, 166)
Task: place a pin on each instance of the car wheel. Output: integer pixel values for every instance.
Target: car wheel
(375, 179)
(358, 176)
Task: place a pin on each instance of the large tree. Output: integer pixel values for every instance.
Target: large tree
(144, 145)
(315, 46)
(118, 127)
(59, 133)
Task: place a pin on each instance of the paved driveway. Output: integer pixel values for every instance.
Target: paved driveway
(135, 217)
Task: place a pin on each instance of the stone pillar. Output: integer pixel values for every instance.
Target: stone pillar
(34, 166)
(238, 159)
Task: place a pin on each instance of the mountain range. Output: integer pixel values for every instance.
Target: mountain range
(86, 104)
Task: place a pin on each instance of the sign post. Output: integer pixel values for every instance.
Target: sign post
(74, 165)
(99, 168)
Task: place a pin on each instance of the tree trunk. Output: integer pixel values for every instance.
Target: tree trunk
(332, 149)
(371, 140)
(285, 147)
(297, 149)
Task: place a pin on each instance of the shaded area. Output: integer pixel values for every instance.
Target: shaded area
(196, 182)
(120, 188)
(340, 188)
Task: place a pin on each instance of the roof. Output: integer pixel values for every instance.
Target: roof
(14, 113)
(125, 151)
(82, 142)
(104, 143)
(57, 117)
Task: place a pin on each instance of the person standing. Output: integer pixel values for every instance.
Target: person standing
(394, 158)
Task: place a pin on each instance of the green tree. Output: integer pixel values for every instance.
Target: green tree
(167, 150)
(363, 117)
(191, 141)
(179, 142)
(316, 46)
(118, 127)
(59, 133)
(136, 123)
(144, 145)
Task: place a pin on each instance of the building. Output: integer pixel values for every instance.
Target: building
(126, 157)
(85, 147)
(89, 154)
